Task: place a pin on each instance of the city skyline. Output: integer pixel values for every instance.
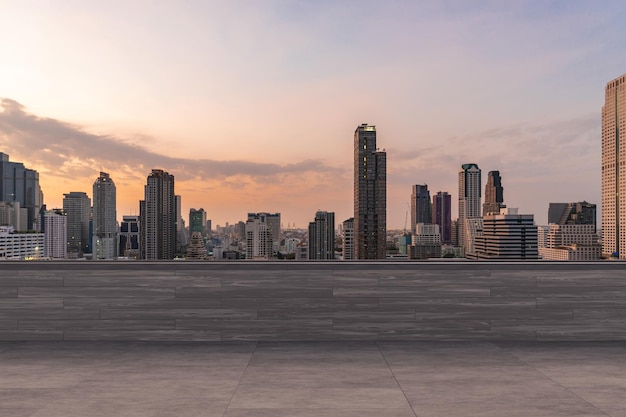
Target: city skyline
(260, 108)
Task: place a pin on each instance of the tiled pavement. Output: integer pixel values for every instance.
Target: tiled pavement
(306, 379)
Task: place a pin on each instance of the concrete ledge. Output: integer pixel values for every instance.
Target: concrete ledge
(312, 301)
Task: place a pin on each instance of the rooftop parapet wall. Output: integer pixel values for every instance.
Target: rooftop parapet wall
(177, 301)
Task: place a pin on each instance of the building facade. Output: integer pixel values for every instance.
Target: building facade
(469, 199)
(421, 210)
(426, 242)
(613, 170)
(348, 239)
(12, 214)
(571, 242)
(198, 221)
(494, 194)
(20, 184)
(322, 236)
(77, 208)
(54, 226)
(129, 240)
(273, 223)
(442, 215)
(370, 195)
(259, 240)
(507, 235)
(20, 246)
(104, 241)
(572, 213)
(158, 217)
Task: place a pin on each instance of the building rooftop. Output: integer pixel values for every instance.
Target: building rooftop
(309, 379)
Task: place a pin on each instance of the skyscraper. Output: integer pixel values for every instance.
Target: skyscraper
(442, 215)
(197, 221)
(20, 184)
(370, 195)
(348, 239)
(259, 240)
(421, 211)
(273, 223)
(494, 194)
(572, 213)
(322, 236)
(104, 241)
(158, 217)
(469, 198)
(613, 170)
(77, 207)
(129, 237)
(55, 234)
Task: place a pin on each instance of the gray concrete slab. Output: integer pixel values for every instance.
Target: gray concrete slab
(312, 379)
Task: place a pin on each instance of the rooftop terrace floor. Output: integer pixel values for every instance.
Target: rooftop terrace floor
(307, 379)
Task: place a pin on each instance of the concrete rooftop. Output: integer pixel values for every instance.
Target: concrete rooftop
(312, 379)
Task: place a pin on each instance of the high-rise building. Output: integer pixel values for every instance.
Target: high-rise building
(77, 208)
(158, 217)
(129, 237)
(55, 234)
(273, 223)
(322, 236)
(507, 235)
(572, 213)
(426, 242)
(182, 238)
(20, 184)
(259, 240)
(469, 198)
(104, 241)
(196, 250)
(209, 227)
(197, 221)
(421, 210)
(613, 169)
(494, 194)
(348, 239)
(442, 215)
(370, 195)
(11, 214)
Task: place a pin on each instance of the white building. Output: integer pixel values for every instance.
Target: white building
(55, 231)
(20, 246)
(571, 242)
(473, 228)
(426, 242)
(259, 242)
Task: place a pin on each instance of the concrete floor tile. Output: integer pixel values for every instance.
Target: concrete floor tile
(316, 353)
(29, 398)
(104, 408)
(319, 412)
(370, 398)
(319, 376)
(606, 398)
(16, 412)
(41, 376)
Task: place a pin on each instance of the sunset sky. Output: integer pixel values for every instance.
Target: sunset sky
(252, 105)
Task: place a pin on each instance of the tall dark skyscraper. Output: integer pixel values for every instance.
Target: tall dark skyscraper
(572, 213)
(442, 215)
(421, 210)
(322, 236)
(494, 194)
(158, 217)
(469, 200)
(77, 207)
(20, 184)
(104, 240)
(370, 195)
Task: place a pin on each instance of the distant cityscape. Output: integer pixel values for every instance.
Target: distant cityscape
(87, 228)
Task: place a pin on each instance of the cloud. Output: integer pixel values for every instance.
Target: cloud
(68, 150)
